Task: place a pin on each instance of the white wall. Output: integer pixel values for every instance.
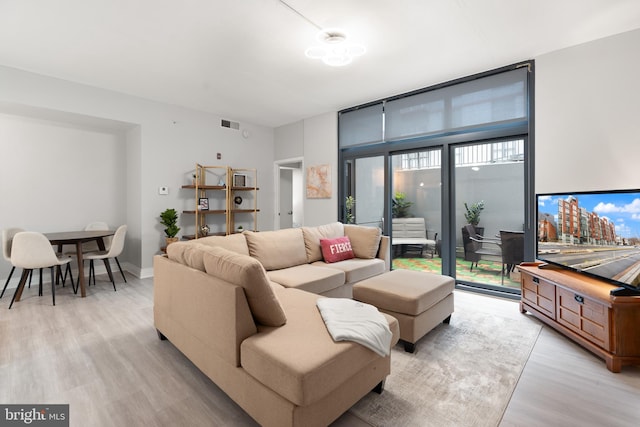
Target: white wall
(289, 141)
(162, 144)
(588, 116)
(321, 147)
(315, 139)
(53, 170)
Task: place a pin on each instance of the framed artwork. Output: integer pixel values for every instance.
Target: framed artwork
(203, 204)
(239, 180)
(319, 182)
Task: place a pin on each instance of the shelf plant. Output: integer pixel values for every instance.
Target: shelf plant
(169, 219)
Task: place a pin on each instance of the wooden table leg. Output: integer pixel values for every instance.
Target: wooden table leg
(18, 293)
(21, 284)
(83, 293)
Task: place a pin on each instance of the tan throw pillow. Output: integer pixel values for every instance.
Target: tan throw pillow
(312, 236)
(364, 240)
(187, 253)
(233, 242)
(244, 271)
(175, 251)
(277, 249)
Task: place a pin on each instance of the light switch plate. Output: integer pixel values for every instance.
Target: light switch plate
(163, 190)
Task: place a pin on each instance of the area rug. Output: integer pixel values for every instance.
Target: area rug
(461, 374)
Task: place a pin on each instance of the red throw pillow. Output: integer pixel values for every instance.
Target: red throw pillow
(338, 249)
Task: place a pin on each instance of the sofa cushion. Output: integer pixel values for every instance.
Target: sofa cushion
(312, 236)
(356, 269)
(338, 249)
(364, 240)
(277, 249)
(299, 360)
(233, 242)
(188, 253)
(308, 277)
(242, 270)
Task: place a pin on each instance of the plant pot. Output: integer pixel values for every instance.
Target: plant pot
(170, 240)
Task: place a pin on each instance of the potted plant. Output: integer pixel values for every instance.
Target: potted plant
(240, 229)
(350, 202)
(169, 218)
(472, 214)
(400, 205)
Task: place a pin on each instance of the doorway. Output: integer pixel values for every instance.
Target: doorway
(288, 194)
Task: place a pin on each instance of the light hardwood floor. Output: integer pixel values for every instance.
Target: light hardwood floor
(101, 355)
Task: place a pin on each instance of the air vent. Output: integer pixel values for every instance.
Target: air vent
(229, 124)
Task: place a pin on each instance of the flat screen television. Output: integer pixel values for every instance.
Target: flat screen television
(596, 233)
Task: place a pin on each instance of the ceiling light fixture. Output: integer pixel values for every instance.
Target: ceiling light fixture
(335, 49)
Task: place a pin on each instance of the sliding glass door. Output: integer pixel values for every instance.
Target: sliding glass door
(486, 182)
(489, 211)
(461, 214)
(416, 229)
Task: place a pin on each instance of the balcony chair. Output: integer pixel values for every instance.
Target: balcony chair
(474, 246)
(512, 248)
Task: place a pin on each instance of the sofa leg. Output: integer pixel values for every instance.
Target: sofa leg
(447, 320)
(409, 347)
(161, 336)
(379, 388)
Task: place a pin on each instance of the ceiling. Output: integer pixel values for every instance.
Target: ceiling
(244, 59)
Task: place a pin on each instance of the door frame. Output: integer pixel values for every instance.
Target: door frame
(277, 165)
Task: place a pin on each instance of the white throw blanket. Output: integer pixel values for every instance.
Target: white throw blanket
(350, 320)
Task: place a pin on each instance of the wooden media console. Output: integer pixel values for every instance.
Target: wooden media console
(583, 308)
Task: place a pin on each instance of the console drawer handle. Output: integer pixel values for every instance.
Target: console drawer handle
(578, 298)
(536, 280)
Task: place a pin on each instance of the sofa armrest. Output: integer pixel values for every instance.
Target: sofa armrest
(384, 252)
(195, 310)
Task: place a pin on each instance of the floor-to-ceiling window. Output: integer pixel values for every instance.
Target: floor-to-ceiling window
(489, 187)
(416, 209)
(368, 191)
(426, 154)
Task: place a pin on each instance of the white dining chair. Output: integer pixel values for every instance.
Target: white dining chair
(7, 240)
(116, 248)
(93, 245)
(31, 250)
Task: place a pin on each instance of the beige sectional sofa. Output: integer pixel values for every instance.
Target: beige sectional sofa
(243, 309)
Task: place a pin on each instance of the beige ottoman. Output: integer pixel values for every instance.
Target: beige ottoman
(419, 300)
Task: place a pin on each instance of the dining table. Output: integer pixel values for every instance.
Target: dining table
(77, 238)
